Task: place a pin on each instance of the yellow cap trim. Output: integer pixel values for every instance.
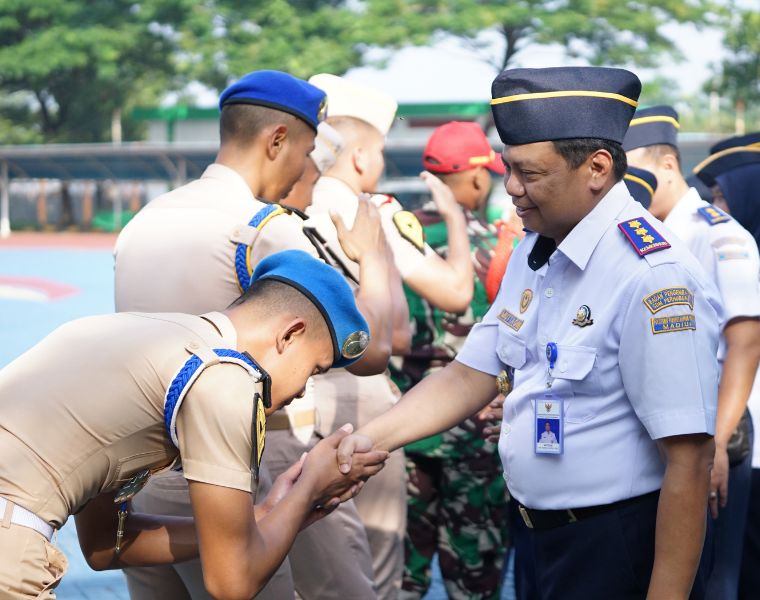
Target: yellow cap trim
(640, 181)
(482, 160)
(713, 157)
(655, 119)
(564, 94)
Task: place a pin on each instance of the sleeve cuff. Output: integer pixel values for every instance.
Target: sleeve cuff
(215, 475)
(670, 423)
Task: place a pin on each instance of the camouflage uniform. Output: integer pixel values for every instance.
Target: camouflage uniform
(456, 493)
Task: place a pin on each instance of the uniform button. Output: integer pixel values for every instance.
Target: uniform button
(194, 345)
(549, 292)
(237, 232)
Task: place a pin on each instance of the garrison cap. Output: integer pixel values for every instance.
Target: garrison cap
(652, 126)
(280, 91)
(641, 184)
(328, 291)
(559, 103)
(729, 154)
(327, 146)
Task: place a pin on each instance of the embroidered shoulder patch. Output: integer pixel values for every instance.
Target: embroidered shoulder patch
(410, 228)
(713, 215)
(674, 323)
(510, 320)
(724, 255)
(669, 297)
(642, 236)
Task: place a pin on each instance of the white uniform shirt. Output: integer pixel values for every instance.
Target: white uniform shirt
(548, 437)
(623, 386)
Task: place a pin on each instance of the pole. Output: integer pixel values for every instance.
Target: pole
(5, 201)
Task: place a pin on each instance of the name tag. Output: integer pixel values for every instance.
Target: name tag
(549, 424)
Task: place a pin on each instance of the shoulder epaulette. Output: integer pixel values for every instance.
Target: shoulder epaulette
(643, 237)
(243, 266)
(713, 215)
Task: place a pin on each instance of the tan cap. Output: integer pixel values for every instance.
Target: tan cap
(327, 146)
(348, 99)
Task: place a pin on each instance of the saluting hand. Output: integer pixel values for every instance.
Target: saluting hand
(366, 236)
(443, 197)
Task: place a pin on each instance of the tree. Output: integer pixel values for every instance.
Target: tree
(78, 63)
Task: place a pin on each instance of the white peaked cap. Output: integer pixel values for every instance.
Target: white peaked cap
(348, 99)
(327, 146)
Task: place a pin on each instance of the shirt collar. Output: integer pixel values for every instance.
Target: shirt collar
(224, 326)
(688, 203)
(229, 177)
(580, 243)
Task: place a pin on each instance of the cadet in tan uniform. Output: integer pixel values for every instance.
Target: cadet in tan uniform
(129, 394)
(363, 117)
(192, 250)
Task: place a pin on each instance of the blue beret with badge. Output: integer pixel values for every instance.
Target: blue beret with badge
(328, 291)
(539, 105)
(280, 91)
(729, 154)
(652, 126)
(641, 185)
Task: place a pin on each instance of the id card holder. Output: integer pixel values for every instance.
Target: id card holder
(549, 424)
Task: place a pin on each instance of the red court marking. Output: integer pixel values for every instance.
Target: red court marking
(34, 288)
(65, 239)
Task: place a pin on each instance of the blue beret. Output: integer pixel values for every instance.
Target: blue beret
(280, 91)
(559, 103)
(641, 184)
(651, 126)
(328, 291)
(727, 155)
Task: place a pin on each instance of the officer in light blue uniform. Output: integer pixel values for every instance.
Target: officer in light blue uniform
(730, 257)
(611, 328)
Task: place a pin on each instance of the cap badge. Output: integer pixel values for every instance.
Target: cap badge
(525, 300)
(583, 317)
(355, 344)
(410, 228)
(322, 110)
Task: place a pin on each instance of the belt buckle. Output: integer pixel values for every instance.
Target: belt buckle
(525, 516)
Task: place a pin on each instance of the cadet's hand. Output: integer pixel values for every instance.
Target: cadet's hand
(719, 480)
(366, 236)
(327, 481)
(494, 412)
(283, 484)
(442, 195)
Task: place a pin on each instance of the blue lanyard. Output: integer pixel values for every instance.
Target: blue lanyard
(551, 355)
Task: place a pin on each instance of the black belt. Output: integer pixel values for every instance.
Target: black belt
(549, 519)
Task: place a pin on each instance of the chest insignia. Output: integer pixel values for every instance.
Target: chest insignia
(510, 320)
(525, 300)
(410, 228)
(583, 317)
(674, 323)
(713, 215)
(669, 297)
(643, 236)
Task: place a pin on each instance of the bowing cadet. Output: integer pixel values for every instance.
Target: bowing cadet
(732, 172)
(601, 311)
(729, 254)
(363, 116)
(194, 248)
(457, 506)
(126, 395)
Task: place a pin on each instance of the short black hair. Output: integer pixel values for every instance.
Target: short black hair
(576, 151)
(241, 123)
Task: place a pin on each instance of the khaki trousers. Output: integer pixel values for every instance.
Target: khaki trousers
(167, 494)
(30, 566)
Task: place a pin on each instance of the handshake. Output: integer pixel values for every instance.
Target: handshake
(332, 472)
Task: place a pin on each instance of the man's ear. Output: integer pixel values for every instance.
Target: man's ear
(276, 138)
(669, 162)
(600, 165)
(359, 160)
(289, 333)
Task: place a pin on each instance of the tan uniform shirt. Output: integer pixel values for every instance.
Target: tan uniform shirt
(82, 412)
(178, 253)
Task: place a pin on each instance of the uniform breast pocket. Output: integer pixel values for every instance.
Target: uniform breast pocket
(510, 349)
(577, 366)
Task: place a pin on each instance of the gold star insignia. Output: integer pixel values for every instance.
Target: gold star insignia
(634, 224)
(641, 231)
(648, 239)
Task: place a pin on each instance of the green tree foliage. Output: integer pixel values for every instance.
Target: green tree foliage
(73, 63)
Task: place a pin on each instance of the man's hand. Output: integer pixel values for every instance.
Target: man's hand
(443, 197)
(719, 480)
(366, 236)
(327, 481)
(494, 413)
(351, 444)
(282, 485)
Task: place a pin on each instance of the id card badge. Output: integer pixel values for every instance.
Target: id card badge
(549, 415)
(549, 423)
